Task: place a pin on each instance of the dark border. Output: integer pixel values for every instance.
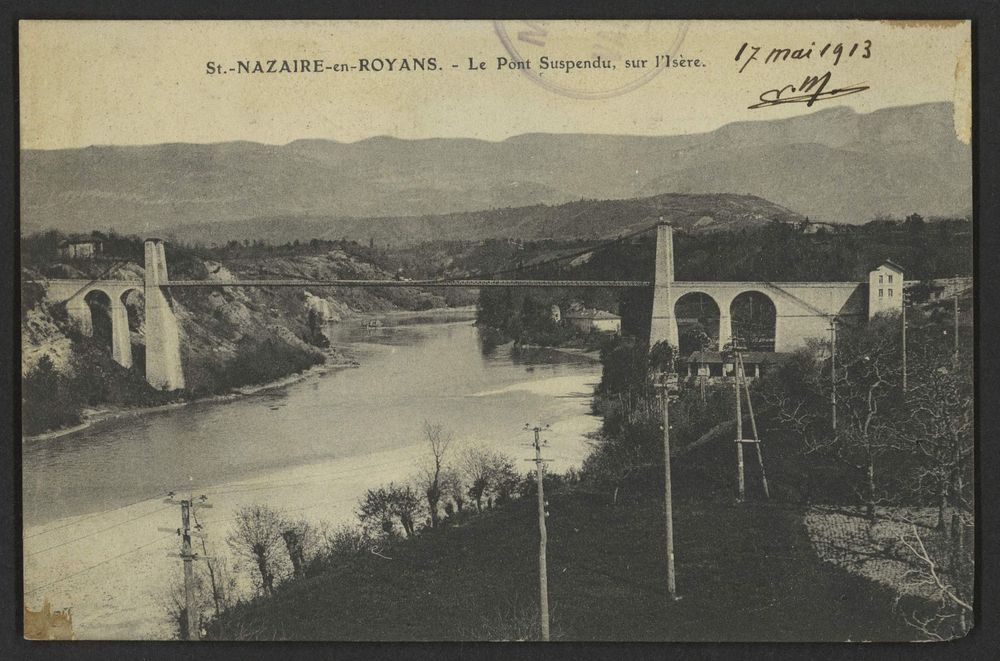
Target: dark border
(981, 643)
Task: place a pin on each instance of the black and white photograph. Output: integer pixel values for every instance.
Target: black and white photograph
(513, 330)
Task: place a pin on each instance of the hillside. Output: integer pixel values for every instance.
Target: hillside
(831, 165)
(230, 337)
(581, 219)
(479, 581)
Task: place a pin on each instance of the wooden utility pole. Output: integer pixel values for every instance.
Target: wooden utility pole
(739, 427)
(753, 425)
(543, 578)
(668, 506)
(955, 330)
(904, 341)
(188, 555)
(833, 372)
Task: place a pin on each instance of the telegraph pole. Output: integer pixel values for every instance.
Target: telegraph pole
(904, 340)
(188, 556)
(739, 427)
(833, 372)
(753, 425)
(954, 301)
(543, 578)
(666, 383)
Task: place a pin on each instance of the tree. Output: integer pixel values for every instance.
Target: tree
(505, 479)
(438, 440)
(385, 505)
(870, 415)
(940, 403)
(477, 469)
(453, 488)
(376, 508)
(490, 475)
(940, 443)
(300, 539)
(405, 505)
(256, 536)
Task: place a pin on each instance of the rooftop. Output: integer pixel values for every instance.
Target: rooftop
(715, 357)
(589, 314)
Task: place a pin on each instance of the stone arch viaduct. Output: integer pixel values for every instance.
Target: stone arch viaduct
(803, 309)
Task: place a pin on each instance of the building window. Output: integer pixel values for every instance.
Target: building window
(880, 279)
(890, 292)
(890, 279)
(880, 293)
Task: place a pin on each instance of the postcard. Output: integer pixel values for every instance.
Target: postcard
(497, 330)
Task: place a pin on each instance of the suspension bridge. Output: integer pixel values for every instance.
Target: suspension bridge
(801, 309)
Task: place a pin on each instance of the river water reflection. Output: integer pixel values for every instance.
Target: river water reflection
(412, 369)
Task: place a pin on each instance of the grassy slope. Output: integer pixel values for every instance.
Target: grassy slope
(745, 574)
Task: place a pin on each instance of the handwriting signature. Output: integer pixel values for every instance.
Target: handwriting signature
(811, 90)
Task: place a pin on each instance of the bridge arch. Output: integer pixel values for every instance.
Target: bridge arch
(698, 318)
(754, 319)
(100, 311)
(98, 304)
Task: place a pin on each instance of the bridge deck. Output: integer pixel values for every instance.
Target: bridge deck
(408, 283)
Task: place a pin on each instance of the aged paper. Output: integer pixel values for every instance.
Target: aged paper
(512, 330)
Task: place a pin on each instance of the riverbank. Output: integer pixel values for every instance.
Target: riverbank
(94, 418)
(97, 417)
(93, 505)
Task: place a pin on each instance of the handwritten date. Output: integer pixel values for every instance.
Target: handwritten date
(829, 51)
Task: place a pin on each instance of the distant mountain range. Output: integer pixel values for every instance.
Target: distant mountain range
(831, 165)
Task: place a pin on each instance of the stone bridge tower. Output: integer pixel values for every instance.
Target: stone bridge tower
(663, 325)
(163, 351)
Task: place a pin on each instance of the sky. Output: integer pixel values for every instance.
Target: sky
(144, 82)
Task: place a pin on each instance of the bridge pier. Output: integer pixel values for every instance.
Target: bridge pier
(79, 311)
(725, 327)
(121, 342)
(663, 324)
(163, 352)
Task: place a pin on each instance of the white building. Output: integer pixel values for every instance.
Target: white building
(597, 320)
(885, 288)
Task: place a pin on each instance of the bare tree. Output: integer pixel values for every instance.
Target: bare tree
(385, 505)
(941, 444)
(438, 440)
(940, 404)
(477, 469)
(952, 591)
(871, 418)
(256, 536)
(453, 488)
(300, 539)
(405, 506)
(376, 508)
(348, 541)
(489, 475)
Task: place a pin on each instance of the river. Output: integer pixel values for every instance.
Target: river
(94, 516)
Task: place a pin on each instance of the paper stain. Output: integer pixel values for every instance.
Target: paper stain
(962, 96)
(926, 23)
(47, 624)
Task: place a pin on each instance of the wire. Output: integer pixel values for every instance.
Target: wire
(88, 517)
(102, 562)
(106, 271)
(100, 530)
(313, 477)
(554, 260)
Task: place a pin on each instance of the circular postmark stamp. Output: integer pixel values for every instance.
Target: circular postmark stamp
(607, 52)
